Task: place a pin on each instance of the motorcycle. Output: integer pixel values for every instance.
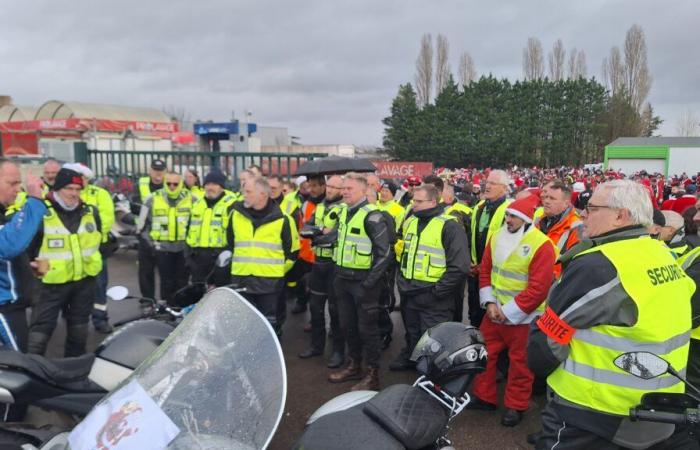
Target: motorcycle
(218, 381)
(680, 409)
(414, 417)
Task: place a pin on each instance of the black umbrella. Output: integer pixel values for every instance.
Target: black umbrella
(335, 164)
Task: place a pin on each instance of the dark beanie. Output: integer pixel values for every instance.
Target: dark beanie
(216, 177)
(66, 177)
(391, 186)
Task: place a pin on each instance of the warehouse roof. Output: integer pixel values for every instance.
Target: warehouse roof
(660, 140)
(14, 113)
(54, 109)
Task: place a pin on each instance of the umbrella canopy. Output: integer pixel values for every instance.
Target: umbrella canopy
(335, 164)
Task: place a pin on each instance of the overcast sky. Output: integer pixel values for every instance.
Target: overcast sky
(327, 70)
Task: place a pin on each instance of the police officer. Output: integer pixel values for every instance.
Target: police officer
(100, 199)
(321, 279)
(70, 241)
(193, 183)
(265, 244)
(363, 254)
(617, 286)
(206, 235)
(433, 263)
(487, 218)
(17, 230)
(462, 213)
(163, 226)
(147, 256)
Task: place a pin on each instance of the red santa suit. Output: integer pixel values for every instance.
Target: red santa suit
(512, 335)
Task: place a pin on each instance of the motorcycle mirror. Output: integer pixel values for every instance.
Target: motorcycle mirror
(643, 365)
(224, 258)
(117, 293)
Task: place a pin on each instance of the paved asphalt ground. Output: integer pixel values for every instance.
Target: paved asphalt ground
(307, 385)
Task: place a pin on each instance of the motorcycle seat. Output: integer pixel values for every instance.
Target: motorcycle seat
(409, 414)
(57, 371)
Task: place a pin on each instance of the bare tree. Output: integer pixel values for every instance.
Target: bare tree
(636, 75)
(613, 71)
(556, 60)
(467, 69)
(424, 71)
(177, 114)
(442, 64)
(577, 64)
(533, 60)
(688, 124)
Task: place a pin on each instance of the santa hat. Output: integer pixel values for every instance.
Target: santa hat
(523, 208)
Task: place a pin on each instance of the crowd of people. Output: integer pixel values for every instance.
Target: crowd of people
(562, 270)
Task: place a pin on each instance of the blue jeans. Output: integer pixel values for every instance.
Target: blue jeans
(99, 308)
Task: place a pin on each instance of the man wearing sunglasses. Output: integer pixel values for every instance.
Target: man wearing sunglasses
(163, 226)
(620, 291)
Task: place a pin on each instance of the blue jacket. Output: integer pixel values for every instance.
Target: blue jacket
(15, 237)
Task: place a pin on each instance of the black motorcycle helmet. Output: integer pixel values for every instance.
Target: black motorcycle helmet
(450, 355)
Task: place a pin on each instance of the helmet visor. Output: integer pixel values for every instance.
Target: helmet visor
(426, 346)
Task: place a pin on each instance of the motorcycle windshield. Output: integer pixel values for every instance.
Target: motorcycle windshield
(219, 378)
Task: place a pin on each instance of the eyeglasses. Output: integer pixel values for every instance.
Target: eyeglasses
(590, 208)
(333, 187)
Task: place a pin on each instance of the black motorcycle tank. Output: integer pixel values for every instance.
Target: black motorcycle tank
(134, 342)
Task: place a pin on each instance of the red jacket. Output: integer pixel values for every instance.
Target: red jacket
(540, 276)
(683, 203)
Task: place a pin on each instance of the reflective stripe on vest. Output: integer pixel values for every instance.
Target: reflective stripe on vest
(208, 225)
(72, 256)
(509, 278)
(353, 249)
(257, 252)
(169, 223)
(323, 219)
(495, 223)
(423, 256)
(290, 202)
(589, 376)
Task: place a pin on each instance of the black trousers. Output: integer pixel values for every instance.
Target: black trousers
(13, 327)
(172, 272)
(147, 269)
(321, 291)
(267, 305)
(297, 281)
(458, 315)
(74, 299)
(424, 310)
(200, 262)
(476, 312)
(387, 300)
(560, 435)
(359, 312)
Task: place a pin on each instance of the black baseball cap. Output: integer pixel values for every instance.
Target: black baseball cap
(158, 164)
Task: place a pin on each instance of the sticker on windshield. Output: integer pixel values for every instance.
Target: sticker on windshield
(124, 421)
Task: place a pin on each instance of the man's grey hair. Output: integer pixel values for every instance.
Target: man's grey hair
(632, 196)
(501, 176)
(262, 185)
(356, 177)
(431, 192)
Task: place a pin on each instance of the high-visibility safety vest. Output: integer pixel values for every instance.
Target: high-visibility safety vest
(207, 228)
(306, 252)
(45, 189)
(169, 223)
(661, 292)
(458, 207)
(685, 261)
(257, 252)
(539, 212)
(510, 277)
(565, 234)
(497, 217)
(423, 256)
(326, 217)
(72, 256)
(19, 202)
(290, 202)
(353, 250)
(102, 200)
(144, 187)
(392, 207)
(197, 191)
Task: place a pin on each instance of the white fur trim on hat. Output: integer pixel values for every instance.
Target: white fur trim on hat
(515, 212)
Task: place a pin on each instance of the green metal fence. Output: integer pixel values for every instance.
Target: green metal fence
(132, 164)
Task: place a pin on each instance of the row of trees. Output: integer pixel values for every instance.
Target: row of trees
(547, 119)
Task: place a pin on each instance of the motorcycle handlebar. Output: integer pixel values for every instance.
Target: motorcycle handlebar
(659, 416)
